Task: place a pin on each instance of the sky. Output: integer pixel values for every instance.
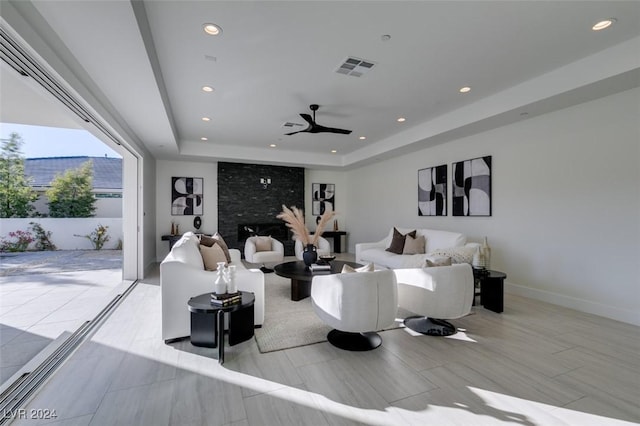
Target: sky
(56, 142)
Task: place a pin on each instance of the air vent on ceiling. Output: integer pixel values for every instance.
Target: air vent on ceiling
(355, 67)
(290, 124)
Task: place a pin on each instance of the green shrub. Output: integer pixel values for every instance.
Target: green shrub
(98, 237)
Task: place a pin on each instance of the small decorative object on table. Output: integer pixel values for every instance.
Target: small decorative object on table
(230, 272)
(486, 252)
(220, 285)
(226, 299)
(327, 258)
(314, 267)
(478, 261)
(310, 254)
(294, 219)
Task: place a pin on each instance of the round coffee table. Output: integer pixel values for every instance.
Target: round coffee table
(301, 276)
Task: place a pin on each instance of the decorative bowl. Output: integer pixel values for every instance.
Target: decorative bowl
(327, 257)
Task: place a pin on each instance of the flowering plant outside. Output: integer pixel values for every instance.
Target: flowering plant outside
(98, 237)
(21, 242)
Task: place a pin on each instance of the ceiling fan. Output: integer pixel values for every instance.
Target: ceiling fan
(316, 128)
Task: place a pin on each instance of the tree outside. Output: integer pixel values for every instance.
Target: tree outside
(70, 194)
(16, 194)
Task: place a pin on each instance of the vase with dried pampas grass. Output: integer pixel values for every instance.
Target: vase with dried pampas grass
(294, 218)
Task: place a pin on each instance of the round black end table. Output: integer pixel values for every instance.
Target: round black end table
(207, 322)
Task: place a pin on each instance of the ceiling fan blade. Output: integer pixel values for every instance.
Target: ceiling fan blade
(308, 119)
(322, 129)
(293, 133)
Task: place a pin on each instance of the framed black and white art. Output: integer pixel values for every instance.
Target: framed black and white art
(324, 196)
(186, 196)
(472, 187)
(432, 191)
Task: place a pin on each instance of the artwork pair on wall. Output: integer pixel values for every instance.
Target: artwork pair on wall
(186, 196)
(471, 193)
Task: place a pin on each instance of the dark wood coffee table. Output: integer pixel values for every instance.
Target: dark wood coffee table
(301, 276)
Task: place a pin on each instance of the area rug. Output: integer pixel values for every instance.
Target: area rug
(289, 324)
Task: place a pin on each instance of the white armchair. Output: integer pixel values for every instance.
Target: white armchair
(435, 294)
(253, 254)
(323, 247)
(355, 305)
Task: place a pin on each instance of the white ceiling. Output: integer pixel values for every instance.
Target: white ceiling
(148, 61)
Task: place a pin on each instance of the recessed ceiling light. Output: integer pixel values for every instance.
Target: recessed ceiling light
(362, 138)
(204, 139)
(206, 119)
(207, 89)
(401, 120)
(273, 145)
(465, 89)
(333, 151)
(212, 29)
(606, 23)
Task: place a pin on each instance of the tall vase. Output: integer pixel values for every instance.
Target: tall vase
(310, 254)
(220, 285)
(486, 251)
(232, 286)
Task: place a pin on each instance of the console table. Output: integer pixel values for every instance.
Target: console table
(337, 239)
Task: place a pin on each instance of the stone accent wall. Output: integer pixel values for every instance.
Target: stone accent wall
(242, 199)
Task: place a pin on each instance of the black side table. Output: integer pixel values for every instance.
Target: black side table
(207, 322)
(491, 289)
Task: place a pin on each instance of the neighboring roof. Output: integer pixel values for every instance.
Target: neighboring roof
(107, 172)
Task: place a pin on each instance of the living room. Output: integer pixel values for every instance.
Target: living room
(563, 226)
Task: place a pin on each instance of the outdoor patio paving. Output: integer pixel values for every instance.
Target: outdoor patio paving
(44, 294)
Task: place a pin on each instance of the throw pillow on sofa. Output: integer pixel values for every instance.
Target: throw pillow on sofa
(414, 245)
(263, 243)
(366, 268)
(457, 254)
(216, 239)
(211, 256)
(397, 241)
(438, 261)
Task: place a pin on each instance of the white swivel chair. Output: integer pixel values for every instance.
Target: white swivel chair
(323, 247)
(436, 294)
(356, 305)
(255, 253)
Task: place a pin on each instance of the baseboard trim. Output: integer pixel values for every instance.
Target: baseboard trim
(587, 306)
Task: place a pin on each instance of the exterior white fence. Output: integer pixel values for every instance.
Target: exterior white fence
(64, 230)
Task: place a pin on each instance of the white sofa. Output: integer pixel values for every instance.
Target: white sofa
(435, 240)
(182, 276)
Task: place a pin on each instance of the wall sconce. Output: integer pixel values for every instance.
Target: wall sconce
(265, 182)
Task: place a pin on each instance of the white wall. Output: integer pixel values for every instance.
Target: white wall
(164, 171)
(338, 178)
(566, 203)
(64, 230)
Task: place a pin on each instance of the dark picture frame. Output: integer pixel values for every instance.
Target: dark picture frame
(323, 196)
(187, 196)
(432, 191)
(471, 187)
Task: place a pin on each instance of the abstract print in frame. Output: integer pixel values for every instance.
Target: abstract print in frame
(186, 196)
(324, 195)
(432, 191)
(472, 187)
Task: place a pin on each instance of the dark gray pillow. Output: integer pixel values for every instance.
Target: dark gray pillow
(397, 241)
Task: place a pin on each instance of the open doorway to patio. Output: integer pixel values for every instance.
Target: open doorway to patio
(46, 295)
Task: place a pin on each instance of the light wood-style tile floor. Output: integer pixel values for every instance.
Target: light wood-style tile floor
(535, 364)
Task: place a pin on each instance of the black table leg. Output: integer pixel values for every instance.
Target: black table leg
(220, 315)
